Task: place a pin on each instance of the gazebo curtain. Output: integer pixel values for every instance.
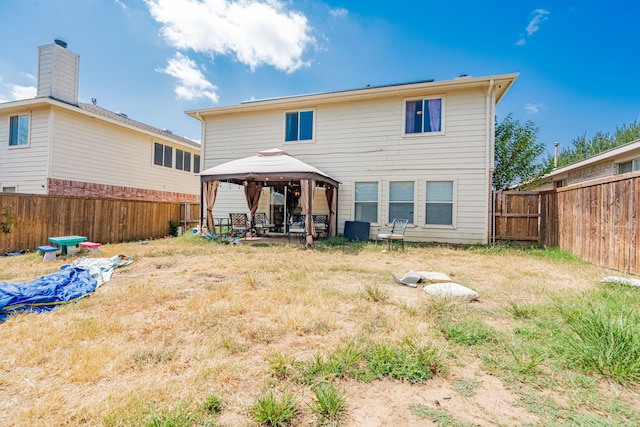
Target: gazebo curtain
(252, 191)
(331, 194)
(307, 192)
(210, 193)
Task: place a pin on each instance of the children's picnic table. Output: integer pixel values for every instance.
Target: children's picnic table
(66, 241)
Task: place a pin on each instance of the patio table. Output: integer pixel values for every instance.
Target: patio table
(66, 241)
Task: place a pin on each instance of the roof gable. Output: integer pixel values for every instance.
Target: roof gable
(499, 83)
(98, 112)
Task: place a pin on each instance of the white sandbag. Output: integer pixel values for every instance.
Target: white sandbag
(621, 280)
(433, 276)
(451, 290)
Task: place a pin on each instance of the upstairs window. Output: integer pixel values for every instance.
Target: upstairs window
(162, 155)
(366, 202)
(401, 201)
(423, 116)
(196, 163)
(183, 160)
(299, 126)
(18, 130)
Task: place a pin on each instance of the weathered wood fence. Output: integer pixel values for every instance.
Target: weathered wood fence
(189, 215)
(517, 216)
(32, 219)
(597, 221)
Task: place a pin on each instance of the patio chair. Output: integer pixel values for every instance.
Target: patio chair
(393, 231)
(297, 227)
(239, 222)
(262, 224)
(321, 224)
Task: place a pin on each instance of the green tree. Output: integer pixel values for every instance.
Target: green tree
(582, 148)
(516, 152)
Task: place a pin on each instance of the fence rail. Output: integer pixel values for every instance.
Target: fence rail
(32, 219)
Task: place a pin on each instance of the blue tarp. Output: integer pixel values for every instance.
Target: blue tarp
(47, 292)
(72, 282)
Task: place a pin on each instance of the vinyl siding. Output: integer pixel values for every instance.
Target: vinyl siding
(364, 141)
(25, 167)
(58, 73)
(91, 150)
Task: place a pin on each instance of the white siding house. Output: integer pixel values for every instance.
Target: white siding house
(422, 151)
(53, 144)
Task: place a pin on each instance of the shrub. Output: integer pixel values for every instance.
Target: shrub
(328, 404)
(269, 410)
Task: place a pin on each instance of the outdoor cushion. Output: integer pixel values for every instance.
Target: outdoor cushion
(621, 280)
(451, 290)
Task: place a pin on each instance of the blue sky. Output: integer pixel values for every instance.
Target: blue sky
(578, 61)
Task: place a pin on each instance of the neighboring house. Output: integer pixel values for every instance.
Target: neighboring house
(55, 145)
(422, 151)
(622, 159)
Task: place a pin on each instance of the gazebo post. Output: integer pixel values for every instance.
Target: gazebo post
(201, 204)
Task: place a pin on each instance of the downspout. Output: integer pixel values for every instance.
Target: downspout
(490, 119)
(336, 208)
(202, 208)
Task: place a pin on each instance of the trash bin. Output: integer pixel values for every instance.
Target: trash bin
(357, 231)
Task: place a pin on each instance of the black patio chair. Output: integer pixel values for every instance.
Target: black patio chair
(262, 224)
(239, 222)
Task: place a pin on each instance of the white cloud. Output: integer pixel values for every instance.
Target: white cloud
(539, 16)
(16, 92)
(23, 92)
(339, 12)
(191, 82)
(532, 108)
(254, 32)
(121, 4)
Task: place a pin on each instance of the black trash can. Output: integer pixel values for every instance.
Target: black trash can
(357, 231)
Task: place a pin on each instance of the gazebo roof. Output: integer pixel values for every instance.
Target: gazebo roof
(272, 165)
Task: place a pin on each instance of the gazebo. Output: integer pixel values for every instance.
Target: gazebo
(269, 167)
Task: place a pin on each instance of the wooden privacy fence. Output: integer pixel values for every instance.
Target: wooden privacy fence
(597, 221)
(516, 216)
(189, 215)
(32, 219)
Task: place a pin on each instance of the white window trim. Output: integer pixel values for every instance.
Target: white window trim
(424, 134)
(175, 160)
(313, 126)
(633, 161)
(4, 185)
(173, 155)
(353, 201)
(19, 146)
(454, 211)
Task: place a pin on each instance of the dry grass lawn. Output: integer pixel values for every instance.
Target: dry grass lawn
(191, 318)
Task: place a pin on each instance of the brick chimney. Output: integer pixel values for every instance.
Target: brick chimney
(58, 72)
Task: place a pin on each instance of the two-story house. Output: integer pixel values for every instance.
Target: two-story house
(420, 151)
(52, 144)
